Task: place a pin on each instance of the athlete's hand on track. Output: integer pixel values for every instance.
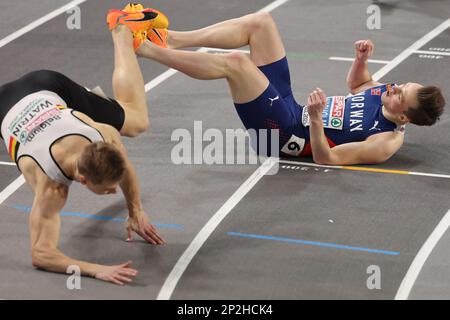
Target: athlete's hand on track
(317, 101)
(364, 49)
(119, 275)
(140, 224)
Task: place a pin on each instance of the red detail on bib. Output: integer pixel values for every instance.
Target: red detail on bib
(376, 92)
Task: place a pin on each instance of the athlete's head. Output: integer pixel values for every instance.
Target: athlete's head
(101, 167)
(414, 103)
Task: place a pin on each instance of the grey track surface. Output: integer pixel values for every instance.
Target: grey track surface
(369, 210)
(27, 10)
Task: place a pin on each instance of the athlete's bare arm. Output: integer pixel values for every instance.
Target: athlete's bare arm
(359, 78)
(45, 225)
(138, 221)
(376, 149)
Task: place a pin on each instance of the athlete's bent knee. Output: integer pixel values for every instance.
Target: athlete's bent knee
(237, 62)
(138, 127)
(262, 20)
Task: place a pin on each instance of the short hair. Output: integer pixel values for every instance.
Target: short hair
(430, 108)
(101, 162)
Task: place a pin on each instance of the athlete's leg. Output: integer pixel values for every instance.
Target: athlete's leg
(128, 83)
(258, 30)
(246, 81)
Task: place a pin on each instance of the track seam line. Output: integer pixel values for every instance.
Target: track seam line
(436, 53)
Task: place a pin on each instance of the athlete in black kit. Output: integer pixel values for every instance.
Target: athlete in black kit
(59, 132)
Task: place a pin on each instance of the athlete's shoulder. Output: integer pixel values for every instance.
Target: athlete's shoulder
(391, 141)
(365, 86)
(37, 178)
(387, 136)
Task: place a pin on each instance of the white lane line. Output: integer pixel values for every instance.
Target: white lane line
(226, 50)
(419, 261)
(374, 170)
(414, 47)
(272, 6)
(309, 164)
(353, 59)
(7, 164)
(160, 79)
(6, 193)
(435, 53)
(184, 261)
(13, 36)
(433, 175)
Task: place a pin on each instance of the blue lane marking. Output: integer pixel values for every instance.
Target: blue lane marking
(312, 243)
(101, 218)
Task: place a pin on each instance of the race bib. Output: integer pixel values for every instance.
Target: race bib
(332, 116)
(36, 116)
(294, 146)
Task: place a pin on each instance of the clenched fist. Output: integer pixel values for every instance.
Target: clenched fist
(364, 49)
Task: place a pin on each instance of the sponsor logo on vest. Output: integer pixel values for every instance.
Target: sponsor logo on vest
(357, 112)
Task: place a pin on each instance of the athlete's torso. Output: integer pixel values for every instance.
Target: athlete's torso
(346, 119)
(36, 123)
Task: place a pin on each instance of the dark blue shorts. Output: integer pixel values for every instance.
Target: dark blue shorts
(275, 108)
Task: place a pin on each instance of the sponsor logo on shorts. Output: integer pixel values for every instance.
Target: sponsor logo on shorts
(273, 100)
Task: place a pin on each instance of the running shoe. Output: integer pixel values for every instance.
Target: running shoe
(156, 35)
(133, 7)
(137, 22)
(162, 22)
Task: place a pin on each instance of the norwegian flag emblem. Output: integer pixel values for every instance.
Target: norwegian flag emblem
(376, 92)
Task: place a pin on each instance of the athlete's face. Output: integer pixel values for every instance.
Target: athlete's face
(102, 189)
(400, 98)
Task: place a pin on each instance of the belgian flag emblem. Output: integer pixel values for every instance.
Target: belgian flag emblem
(13, 148)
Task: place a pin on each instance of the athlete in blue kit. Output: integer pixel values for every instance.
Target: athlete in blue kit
(364, 127)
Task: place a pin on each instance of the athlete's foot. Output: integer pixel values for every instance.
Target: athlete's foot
(133, 7)
(122, 36)
(138, 22)
(161, 22)
(160, 37)
(156, 35)
(148, 50)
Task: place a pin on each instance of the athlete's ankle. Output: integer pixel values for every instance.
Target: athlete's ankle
(171, 43)
(148, 50)
(122, 34)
